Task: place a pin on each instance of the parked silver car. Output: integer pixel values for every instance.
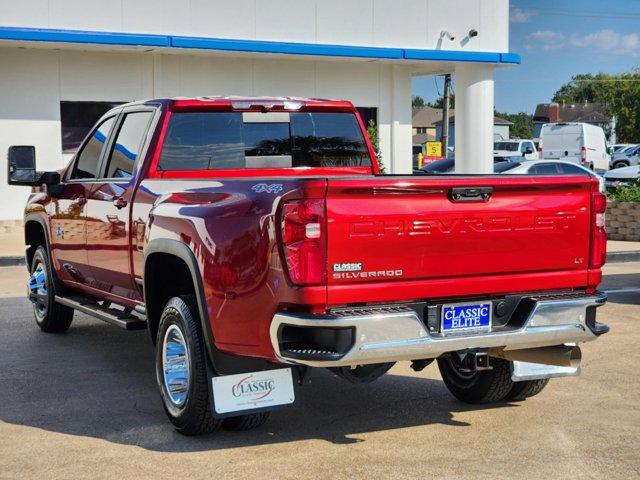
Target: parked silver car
(625, 157)
(621, 176)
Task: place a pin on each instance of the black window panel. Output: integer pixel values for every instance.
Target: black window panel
(327, 140)
(367, 114)
(127, 145)
(77, 119)
(262, 139)
(87, 160)
(201, 141)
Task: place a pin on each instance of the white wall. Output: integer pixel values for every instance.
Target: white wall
(388, 23)
(34, 81)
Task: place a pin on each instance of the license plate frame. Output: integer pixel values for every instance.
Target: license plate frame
(261, 391)
(483, 325)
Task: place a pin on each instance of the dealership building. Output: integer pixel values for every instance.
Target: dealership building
(65, 62)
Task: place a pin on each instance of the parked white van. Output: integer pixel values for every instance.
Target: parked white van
(579, 143)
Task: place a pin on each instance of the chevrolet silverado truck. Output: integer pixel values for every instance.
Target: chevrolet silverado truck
(255, 238)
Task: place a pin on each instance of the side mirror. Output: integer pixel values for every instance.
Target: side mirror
(21, 161)
(22, 165)
(528, 151)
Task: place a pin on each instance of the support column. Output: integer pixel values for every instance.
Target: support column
(474, 118)
(401, 145)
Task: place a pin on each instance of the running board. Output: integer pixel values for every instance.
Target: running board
(119, 318)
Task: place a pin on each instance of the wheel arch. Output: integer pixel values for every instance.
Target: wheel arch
(36, 233)
(166, 249)
(159, 249)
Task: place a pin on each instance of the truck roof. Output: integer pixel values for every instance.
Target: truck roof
(246, 102)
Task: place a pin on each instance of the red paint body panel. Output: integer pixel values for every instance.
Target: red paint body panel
(411, 230)
(532, 234)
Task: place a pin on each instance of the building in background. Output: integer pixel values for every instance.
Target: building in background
(64, 62)
(593, 113)
(500, 128)
(423, 120)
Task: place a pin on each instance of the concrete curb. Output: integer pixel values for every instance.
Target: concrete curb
(620, 257)
(12, 261)
(612, 257)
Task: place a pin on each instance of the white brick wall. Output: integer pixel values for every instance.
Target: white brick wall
(387, 23)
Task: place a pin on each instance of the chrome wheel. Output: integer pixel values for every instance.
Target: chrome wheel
(175, 366)
(38, 292)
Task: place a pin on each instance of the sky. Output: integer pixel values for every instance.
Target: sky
(556, 40)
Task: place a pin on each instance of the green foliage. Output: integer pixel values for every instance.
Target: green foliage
(628, 193)
(417, 101)
(372, 131)
(619, 93)
(522, 124)
(439, 103)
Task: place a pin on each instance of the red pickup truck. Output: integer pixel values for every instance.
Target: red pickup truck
(255, 238)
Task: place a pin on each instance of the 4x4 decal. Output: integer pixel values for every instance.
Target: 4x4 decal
(267, 188)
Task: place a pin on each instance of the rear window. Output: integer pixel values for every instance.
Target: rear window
(506, 146)
(233, 140)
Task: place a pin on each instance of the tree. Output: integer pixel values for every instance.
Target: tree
(522, 124)
(417, 101)
(372, 131)
(439, 103)
(619, 93)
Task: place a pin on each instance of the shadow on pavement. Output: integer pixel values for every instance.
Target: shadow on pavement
(98, 381)
(620, 280)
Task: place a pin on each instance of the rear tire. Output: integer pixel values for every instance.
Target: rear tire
(181, 369)
(486, 386)
(245, 422)
(523, 390)
(50, 316)
(620, 164)
(182, 375)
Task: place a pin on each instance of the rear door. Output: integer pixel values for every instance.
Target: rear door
(562, 142)
(109, 205)
(414, 232)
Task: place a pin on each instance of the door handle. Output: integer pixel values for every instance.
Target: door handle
(119, 202)
(470, 194)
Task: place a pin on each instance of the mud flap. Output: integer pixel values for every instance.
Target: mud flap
(252, 392)
(521, 371)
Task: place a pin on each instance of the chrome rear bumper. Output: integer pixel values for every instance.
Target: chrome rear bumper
(400, 334)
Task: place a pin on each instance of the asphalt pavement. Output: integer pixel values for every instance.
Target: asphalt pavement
(85, 405)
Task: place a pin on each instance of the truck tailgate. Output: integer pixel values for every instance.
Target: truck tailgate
(413, 232)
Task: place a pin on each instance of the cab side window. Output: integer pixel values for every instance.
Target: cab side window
(89, 157)
(128, 143)
(571, 169)
(544, 169)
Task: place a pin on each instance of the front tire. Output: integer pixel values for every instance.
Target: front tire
(485, 386)
(50, 316)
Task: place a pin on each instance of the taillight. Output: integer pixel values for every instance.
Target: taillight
(598, 232)
(583, 154)
(304, 236)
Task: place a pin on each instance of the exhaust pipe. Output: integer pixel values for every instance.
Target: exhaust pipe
(560, 355)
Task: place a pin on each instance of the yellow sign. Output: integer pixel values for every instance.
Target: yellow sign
(434, 149)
